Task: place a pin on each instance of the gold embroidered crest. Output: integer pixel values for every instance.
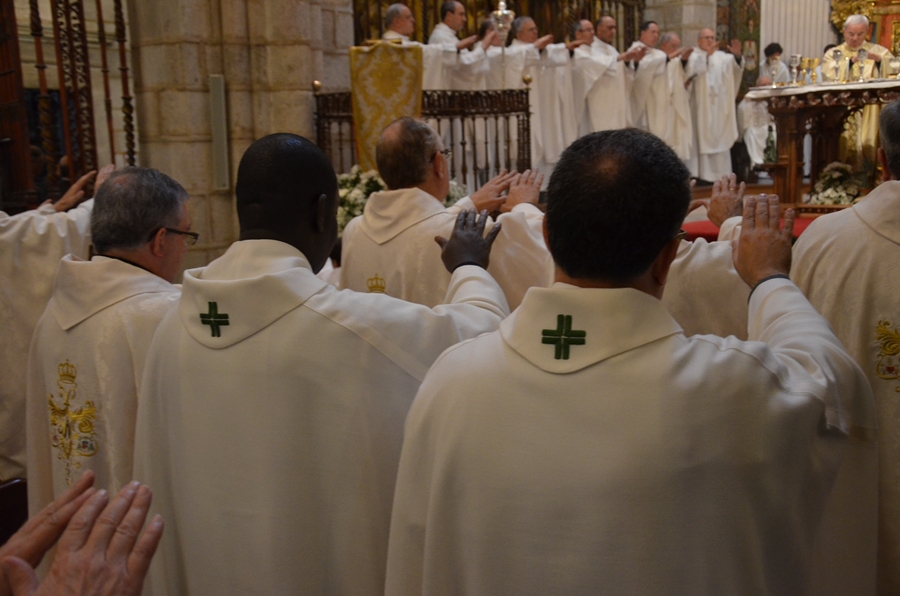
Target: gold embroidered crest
(375, 284)
(71, 429)
(887, 362)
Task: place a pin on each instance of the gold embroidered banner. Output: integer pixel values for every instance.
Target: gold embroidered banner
(386, 79)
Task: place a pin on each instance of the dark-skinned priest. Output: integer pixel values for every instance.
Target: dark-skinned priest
(271, 416)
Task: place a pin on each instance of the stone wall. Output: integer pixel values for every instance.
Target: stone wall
(269, 52)
(684, 17)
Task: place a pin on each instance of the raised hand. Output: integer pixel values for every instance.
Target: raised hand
(487, 198)
(762, 250)
(467, 42)
(75, 194)
(726, 201)
(467, 244)
(543, 42)
(42, 531)
(526, 188)
(489, 39)
(102, 552)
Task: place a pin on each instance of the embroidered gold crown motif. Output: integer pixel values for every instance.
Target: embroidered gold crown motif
(71, 429)
(375, 284)
(66, 372)
(887, 362)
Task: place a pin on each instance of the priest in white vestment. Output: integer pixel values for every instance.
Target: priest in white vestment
(848, 263)
(588, 446)
(553, 125)
(31, 245)
(756, 125)
(716, 80)
(602, 79)
(271, 411)
(390, 247)
(649, 93)
(438, 61)
(679, 130)
(89, 347)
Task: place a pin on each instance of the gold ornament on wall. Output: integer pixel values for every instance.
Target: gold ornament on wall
(841, 9)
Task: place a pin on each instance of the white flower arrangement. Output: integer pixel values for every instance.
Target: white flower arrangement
(354, 189)
(456, 193)
(355, 186)
(837, 185)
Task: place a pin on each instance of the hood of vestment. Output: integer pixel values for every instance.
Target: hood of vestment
(390, 212)
(255, 283)
(880, 210)
(84, 288)
(563, 328)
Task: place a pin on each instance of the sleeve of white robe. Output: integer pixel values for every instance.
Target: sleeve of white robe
(591, 66)
(474, 304)
(680, 136)
(814, 360)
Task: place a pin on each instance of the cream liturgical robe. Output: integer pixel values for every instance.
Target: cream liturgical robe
(704, 292)
(271, 418)
(590, 447)
(601, 83)
(437, 61)
(31, 245)
(86, 359)
(462, 73)
(553, 126)
(390, 248)
(650, 91)
(848, 263)
(680, 123)
(754, 123)
(716, 82)
(870, 69)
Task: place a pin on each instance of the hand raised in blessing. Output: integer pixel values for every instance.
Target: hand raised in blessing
(468, 244)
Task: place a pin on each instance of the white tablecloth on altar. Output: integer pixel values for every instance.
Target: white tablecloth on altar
(759, 93)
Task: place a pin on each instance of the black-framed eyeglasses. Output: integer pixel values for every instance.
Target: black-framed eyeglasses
(190, 238)
(681, 235)
(447, 153)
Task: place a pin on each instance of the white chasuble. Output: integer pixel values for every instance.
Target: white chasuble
(553, 98)
(390, 248)
(31, 245)
(755, 123)
(716, 82)
(680, 127)
(86, 359)
(437, 61)
(650, 92)
(589, 447)
(270, 421)
(848, 263)
(601, 83)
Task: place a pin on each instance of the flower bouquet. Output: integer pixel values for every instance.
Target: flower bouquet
(837, 185)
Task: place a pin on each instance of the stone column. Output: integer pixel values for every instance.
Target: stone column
(269, 52)
(684, 17)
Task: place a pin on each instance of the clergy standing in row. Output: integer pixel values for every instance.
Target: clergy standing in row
(602, 77)
(462, 74)
(679, 133)
(271, 413)
(89, 348)
(715, 77)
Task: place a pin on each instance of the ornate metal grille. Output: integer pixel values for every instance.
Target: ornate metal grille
(487, 130)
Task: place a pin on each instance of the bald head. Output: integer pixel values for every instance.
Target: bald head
(400, 19)
(404, 151)
(287, 191)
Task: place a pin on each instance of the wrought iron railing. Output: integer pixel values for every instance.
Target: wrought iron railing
(488, 131)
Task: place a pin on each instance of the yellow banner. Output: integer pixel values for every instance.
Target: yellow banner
(386, 81)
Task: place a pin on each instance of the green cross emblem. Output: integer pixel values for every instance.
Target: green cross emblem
(214, 319)
(563, 336)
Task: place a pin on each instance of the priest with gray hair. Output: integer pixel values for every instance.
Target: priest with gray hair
(856, 36)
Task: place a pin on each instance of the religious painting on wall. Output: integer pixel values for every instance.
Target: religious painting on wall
(551, 16)
(739, 19)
